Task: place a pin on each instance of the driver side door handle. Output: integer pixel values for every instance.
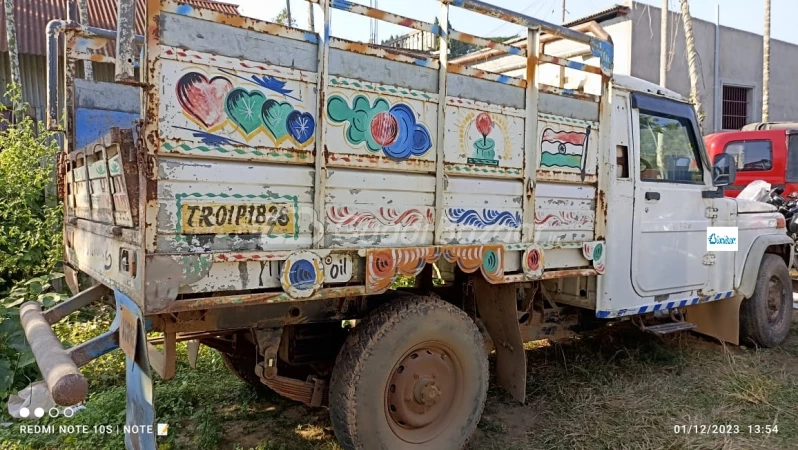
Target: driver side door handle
(652, 195)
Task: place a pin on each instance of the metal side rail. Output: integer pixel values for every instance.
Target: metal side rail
(60, 367)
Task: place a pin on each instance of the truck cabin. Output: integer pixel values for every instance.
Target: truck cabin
(761, 151)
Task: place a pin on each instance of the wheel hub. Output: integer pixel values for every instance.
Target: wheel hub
(775, 299)
(426, 392)
(421, 389)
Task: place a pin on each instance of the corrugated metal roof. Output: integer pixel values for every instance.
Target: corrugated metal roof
(600, 16)
(32, 17)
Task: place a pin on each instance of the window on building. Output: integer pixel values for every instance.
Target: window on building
(751, 155)
(668, 149)
(736, 102)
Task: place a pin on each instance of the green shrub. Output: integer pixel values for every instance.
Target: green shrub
(30, 227)
(30, 234)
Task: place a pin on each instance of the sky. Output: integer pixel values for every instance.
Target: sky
(743, 14)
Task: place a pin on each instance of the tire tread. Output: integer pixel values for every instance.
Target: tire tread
(357, 350)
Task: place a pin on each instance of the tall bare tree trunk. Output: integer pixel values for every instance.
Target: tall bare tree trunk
(766, 66)
(692, 62)
(11, 32)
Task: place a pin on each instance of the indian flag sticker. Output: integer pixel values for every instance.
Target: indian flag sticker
(562, 148)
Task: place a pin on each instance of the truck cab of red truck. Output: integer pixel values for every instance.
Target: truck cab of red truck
(763, 151)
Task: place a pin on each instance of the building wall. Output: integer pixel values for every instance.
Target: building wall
(33, 74)
(740, 63)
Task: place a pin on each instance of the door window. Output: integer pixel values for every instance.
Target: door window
(751, 155)
(792, 159)
(668, 150)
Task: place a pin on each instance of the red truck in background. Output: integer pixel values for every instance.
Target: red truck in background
(763, 151)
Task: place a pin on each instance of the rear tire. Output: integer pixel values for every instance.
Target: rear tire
(244, 369)
(412, 375)
(765, 318)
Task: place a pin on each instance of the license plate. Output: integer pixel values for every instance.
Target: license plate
(249, 218)
(128, 332)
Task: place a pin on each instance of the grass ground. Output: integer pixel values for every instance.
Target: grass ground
(617, 389)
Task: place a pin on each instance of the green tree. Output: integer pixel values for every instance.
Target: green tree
(282, 18)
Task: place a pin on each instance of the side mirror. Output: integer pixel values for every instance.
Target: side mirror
(724, 170)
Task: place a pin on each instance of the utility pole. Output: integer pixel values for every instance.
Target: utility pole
(692, 62)
(288, 12)
(766, 66)
(663, 72)
(562, 69)
(311, 21)
(11, 35)
(663, 45)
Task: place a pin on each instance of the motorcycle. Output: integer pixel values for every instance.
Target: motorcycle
(761, 191)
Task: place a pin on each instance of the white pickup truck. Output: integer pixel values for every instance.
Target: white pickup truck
(255, 186)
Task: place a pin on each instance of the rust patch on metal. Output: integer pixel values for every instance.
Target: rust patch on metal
(554, 274)
(259, 299)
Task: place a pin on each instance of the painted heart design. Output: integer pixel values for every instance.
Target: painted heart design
(203, 99)
(300, 126)
(243, 107)
(274, 115)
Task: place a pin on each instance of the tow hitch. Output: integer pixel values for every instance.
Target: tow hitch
(60, 367)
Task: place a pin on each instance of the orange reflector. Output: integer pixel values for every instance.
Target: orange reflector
(781, 223)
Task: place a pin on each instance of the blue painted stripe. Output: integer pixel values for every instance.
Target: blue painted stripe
(457, 2)
(184, 9)
(436, 29)
(102, 344)
(342, 4)
(423, 62)
(503, 79)
(514, 50)
(664, 306)
(574, 65)
(311, 37)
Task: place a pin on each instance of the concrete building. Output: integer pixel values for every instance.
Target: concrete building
(731, 100)
(416, 40)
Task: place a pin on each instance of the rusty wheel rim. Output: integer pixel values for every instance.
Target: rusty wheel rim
(422, 390)
(776, 294)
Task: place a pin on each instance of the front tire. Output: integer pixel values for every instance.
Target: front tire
(412, 375)
(765, 318)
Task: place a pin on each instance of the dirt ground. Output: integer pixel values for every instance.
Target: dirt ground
(616, 389)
